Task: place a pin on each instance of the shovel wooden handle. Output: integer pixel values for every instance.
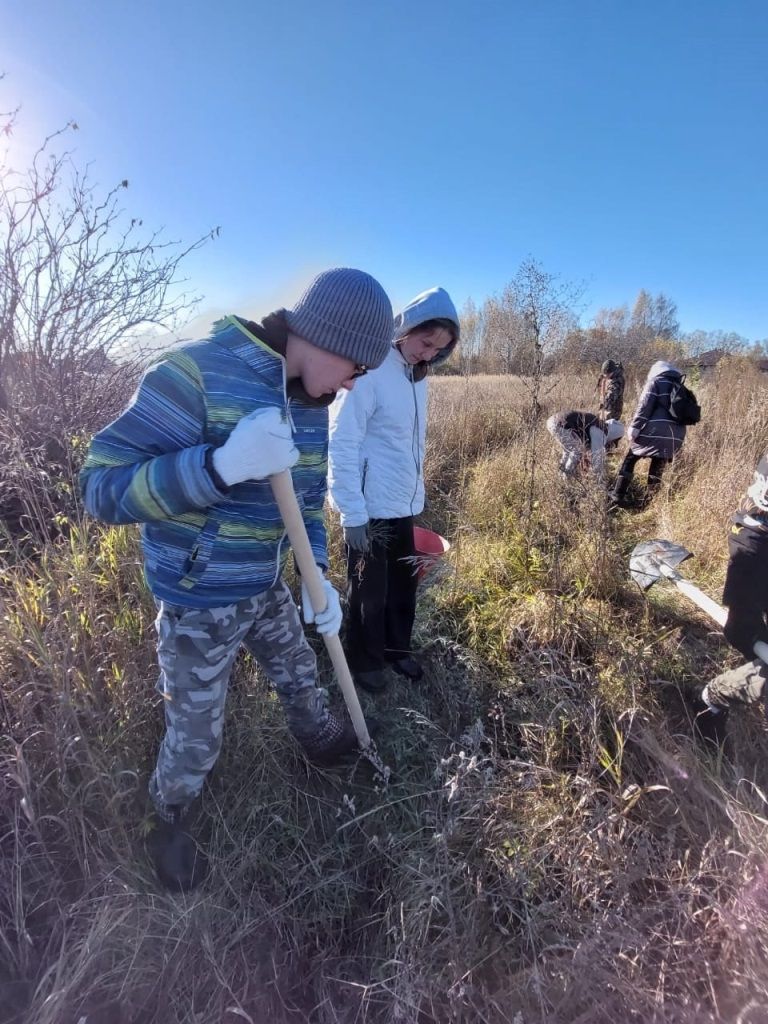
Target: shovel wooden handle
(285, 496)
(692, 592)
(712, 608)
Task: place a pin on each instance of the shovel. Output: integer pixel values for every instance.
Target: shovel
(285, 496)
(653, 560)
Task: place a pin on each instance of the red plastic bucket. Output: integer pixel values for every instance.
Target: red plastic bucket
(429, 547)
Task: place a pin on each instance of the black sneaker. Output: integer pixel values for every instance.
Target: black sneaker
(336, 742)
(408, 667)
(374, 681)
(179, 860)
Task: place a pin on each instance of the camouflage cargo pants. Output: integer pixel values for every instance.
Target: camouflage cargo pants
(742, 685)
(195, 651)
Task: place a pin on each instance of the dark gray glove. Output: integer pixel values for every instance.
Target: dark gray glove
(356, 537)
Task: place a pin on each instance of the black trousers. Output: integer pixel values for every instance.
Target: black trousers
(745, 593)
(381, 595)
(627, 469)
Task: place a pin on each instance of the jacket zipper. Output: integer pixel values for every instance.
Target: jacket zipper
(415, 442)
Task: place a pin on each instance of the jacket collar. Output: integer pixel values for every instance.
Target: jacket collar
(397, 357)
(232, 334)
(262, 346)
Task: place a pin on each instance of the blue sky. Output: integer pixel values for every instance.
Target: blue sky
(622, 144)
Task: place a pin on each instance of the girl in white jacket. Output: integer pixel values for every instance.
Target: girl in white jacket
(376, 482)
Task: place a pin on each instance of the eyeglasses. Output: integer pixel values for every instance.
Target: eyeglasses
(359, 371)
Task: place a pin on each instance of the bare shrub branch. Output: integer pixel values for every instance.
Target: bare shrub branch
(82, 286)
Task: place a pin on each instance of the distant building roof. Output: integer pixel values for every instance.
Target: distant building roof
(707, 359)
(710, 359)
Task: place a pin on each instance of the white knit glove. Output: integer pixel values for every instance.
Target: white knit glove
(260, 445)
(328, 621)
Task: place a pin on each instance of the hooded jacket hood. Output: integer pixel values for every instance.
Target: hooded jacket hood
(660, 367)
(433, 304)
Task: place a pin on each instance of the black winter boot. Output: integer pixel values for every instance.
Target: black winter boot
(336, 742)
(618, 495)
(180, 862)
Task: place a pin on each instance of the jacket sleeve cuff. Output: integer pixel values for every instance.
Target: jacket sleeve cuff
(218, 483)
(321, 555)
(196, 481)
(354, 519)
(318, 543)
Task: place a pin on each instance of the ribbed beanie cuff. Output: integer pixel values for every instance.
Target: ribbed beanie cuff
(347, 312)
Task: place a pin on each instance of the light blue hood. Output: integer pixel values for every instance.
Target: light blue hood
(429, 305)
(433, 304)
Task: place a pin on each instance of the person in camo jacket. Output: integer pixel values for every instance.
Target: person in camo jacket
(745, 595)
(610, 388)
(189, 459)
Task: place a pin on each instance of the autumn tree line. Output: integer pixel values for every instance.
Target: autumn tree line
(534, 324)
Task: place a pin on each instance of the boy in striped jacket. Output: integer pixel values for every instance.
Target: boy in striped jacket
(189, 460)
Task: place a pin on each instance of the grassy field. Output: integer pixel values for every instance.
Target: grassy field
(553, 845)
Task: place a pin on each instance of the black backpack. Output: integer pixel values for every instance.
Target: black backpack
(683, 406)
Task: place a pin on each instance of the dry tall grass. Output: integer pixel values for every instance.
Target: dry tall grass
(553, 846)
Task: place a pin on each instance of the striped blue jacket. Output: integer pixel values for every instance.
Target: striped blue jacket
(204, 547)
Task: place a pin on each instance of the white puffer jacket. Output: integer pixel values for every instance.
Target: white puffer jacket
(376, 445)
(378, 429)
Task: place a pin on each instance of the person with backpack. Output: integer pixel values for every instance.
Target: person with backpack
(376, 482)
(580, 434)
(745, 595)
(657, 431)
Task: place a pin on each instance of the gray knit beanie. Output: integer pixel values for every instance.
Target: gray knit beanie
(347, 312)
